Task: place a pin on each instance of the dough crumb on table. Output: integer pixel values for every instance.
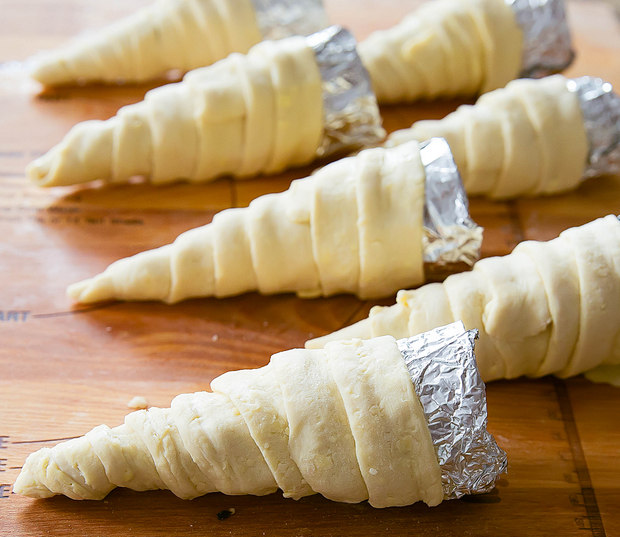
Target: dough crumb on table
(138, 403)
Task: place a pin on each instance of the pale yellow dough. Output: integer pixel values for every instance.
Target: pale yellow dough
(168, 34)
(547, 308)
(244, 115)
(343, 422)
(525, 139)
(445, 48)
(355, 226)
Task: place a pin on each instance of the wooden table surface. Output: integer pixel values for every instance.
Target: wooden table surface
(65, 369)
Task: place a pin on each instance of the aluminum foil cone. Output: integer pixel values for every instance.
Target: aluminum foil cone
(282, 18)
(547, 47)
(450, 235)
(443, 369)
(350, 112)
(600, 107)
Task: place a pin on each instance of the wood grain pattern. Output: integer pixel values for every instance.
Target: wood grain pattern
(64, 369)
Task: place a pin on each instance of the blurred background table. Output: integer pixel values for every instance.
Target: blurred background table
(65, 369)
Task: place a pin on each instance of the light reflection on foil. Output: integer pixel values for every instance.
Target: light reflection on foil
(283, 18)
(547, 45)
(443, 369)
(600, 107)
(450, 235)
(350, 113)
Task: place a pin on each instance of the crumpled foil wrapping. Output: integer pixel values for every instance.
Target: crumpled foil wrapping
(350, 112)
(450, 235)
(600, 107)
(443, 369)
(546, 36)
(282, 18)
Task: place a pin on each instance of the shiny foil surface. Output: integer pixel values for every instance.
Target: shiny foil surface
(282, 18)
(350, 113)
(443, 369)
(450, 235)
(600, 107)
(547, 45)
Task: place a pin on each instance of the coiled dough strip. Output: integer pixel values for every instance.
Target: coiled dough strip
(343, 421)
(168, 34)
(547, 308)
(445, 48)
(355, 226)
(525, 139)
(244, 115)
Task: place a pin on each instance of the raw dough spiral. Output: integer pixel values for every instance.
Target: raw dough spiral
(344, 422)
(355, 226)
(168, 34)
(525, 139)
(445, 48)
(547, 308)
(261, 112)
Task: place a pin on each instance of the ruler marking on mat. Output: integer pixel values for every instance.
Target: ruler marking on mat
(44, 440)
(579, 459)
(73, 312)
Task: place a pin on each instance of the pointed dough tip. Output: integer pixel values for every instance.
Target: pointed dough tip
(90, 290)
(44, 74)
(38, 172)
(26, 484)
(75, 290)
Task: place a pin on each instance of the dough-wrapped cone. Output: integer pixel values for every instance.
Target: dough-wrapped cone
(168, 34)
(246, 114)
(344, 422)
(525, 139)
(355, 226)
(547, 308)
(445, 48)
(173, 34)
